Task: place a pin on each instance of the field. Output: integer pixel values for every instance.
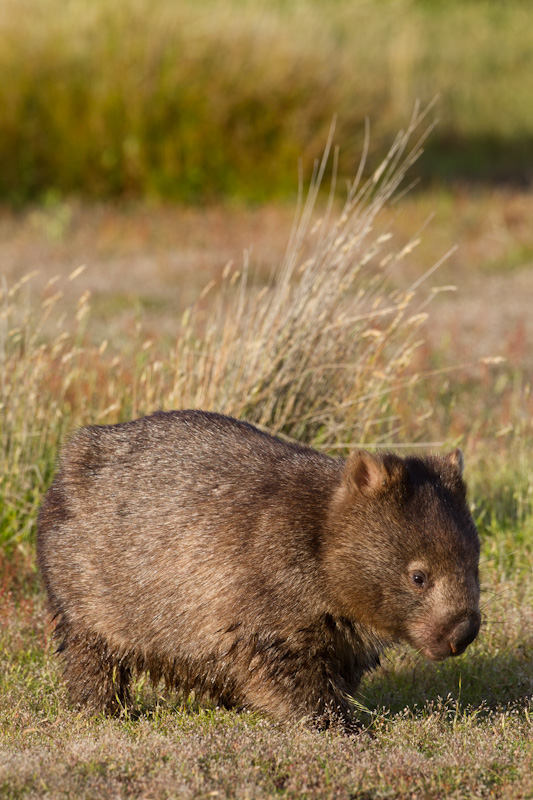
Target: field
(457, 730)
(394, 319)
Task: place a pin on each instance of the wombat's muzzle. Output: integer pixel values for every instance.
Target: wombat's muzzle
(463, 634)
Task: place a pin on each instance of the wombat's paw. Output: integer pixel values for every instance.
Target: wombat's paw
(336, 720)
(109, 706)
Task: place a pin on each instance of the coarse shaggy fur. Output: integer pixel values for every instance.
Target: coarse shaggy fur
(257, 572)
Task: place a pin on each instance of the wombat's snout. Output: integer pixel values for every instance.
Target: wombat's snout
(464, 633)
(449, 638)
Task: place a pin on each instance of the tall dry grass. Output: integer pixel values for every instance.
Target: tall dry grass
(38, 378)
(327, 352)
(320, 354)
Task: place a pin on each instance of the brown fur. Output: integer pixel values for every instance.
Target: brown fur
(262, 574)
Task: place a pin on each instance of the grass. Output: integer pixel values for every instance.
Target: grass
(195, 102)
(334, 362)
(339, 341)
(456, 730)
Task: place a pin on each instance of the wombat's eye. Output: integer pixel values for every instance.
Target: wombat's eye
(418, 578)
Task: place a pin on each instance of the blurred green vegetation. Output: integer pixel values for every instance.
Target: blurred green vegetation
(196, 101)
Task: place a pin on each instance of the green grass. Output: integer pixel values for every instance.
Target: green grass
(194, 102)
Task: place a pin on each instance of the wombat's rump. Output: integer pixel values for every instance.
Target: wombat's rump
(263, 574)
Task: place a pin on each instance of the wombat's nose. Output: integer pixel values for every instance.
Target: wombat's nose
(464, 633)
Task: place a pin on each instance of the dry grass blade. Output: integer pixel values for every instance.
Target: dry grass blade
(316, 355)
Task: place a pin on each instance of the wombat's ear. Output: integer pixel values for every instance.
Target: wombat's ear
(364, 473)
(456, 459)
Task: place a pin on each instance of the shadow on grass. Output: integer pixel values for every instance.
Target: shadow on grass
(477, 686)
(483, 682)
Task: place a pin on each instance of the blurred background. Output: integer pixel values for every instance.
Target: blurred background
(155, 140)
(219, 99)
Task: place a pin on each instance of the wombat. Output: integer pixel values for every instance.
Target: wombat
(261, 573)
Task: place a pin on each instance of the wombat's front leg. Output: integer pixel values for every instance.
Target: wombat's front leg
(96, 678)
(293, 696)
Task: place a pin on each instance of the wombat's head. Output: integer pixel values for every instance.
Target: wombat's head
(404, 552)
